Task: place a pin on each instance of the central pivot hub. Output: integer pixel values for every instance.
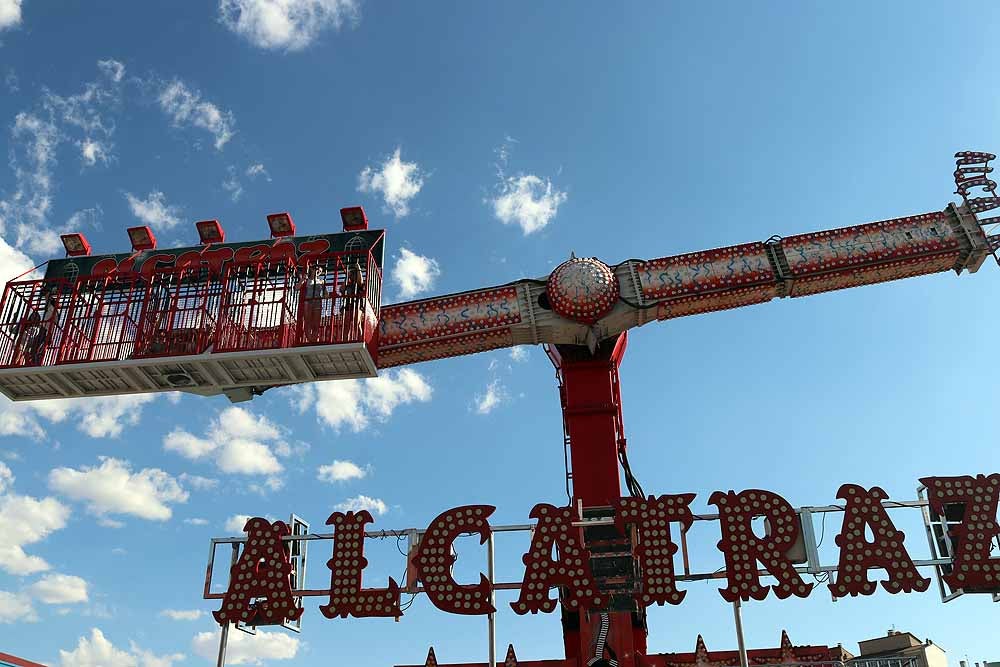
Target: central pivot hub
(582, 289)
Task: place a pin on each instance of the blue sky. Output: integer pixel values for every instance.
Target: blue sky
(641, 131)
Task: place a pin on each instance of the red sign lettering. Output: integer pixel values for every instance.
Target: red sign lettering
(260, 590)
(979, 497)
(346, 594)
(655, 550)
(743, 548)
(434, 559)
(571, 570)
(886, 550)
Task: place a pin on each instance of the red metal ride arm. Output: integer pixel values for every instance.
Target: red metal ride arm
(585, 301)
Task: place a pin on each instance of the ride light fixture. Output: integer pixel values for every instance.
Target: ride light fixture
(76, 245)
(210, 231)
(281, 225)
(142, 238)
(354, 219)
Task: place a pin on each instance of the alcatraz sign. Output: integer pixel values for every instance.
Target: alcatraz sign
(260, 591)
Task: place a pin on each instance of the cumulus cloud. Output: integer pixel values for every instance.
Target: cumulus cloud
(527, 201)
(398, 182)
(98, 417)
(154, 210)
(16, 607)
(237, 441)
(358, 503)
(244, 649)
(519, 353)
(341, 471)
(494, 395)
(10, 13)
(182, 614)
(289, 25)
(236, 523)
(355, 403)
(112, 488)
(97, 651)
(25, 520)
(13, 263)
(196, 521)
(413, 273)
(59, 589)
(185, 107)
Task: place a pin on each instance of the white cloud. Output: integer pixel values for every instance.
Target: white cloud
(112, 69)
(526, 200)
(494, 395)
(98, 417)
(237, 441)
(341, 471)
(232, 184)
(10, 13)
(93, 151)
(519, 353)
(397, 181)
(59, 589)
(257, 169)
(97, 651)
(112, 488)
(25, 520)
(199, 483)
(236, 523)
(182, 614)
(244, 649)
(13, 263)
(196, 521)
(354, 403)
(289, 25)
(34, 140)
(16, 607)
(413, 273)
(186, 107)
(35, 137)
(6, 478)
(358, 503)
(154, 210)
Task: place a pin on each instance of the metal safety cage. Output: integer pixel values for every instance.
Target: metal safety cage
(338, 299)
(102, 322)
(180, 314)
(33, 321)
(258, 307)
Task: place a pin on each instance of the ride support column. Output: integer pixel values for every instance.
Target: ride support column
(591, 410)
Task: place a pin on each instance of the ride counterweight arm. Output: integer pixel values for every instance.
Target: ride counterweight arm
(584, 301)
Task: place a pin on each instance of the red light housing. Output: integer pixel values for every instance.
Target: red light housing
(354, 219)
(142, 238)
(76, 245)
(210, 231)
(281, 225)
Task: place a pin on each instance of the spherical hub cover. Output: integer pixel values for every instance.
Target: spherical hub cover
(583, 290)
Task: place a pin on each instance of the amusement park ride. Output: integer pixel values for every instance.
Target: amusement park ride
(240, 318)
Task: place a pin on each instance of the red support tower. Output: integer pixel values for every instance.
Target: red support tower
(592, 418)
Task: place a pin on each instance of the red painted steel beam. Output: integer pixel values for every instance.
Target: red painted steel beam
(591, 406)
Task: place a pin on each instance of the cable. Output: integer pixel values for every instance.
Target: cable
(822, 533)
